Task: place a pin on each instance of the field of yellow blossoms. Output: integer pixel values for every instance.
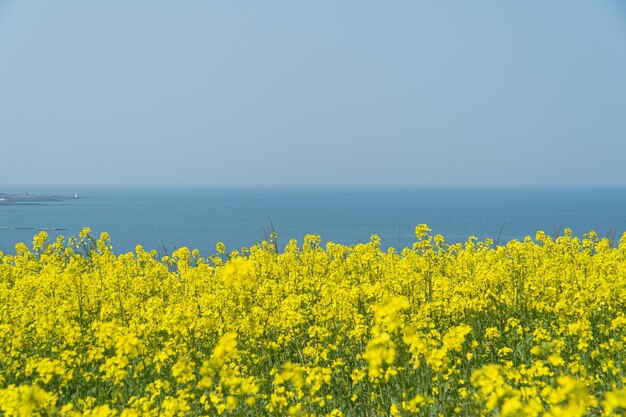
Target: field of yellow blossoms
(531, 328)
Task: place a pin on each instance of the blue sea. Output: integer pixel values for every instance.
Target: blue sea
(166, 218)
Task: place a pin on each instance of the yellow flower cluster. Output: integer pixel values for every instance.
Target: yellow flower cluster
(531, 328)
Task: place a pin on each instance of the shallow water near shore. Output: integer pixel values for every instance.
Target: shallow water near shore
(165, 218)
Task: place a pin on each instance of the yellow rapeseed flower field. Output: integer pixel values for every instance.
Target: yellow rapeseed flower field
(531, 328)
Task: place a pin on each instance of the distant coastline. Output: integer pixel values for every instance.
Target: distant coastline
(28, 198)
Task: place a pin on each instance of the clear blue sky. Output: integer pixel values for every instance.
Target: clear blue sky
(319, 92)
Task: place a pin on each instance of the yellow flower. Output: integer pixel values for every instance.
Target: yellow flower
(421, 231)
(527, 328)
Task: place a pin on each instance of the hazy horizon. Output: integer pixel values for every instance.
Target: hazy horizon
(70, 189)
(419, 94)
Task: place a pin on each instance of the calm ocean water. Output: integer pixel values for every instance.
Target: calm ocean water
(168, 217)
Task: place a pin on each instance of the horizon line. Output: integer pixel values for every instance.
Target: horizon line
(309, 185)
